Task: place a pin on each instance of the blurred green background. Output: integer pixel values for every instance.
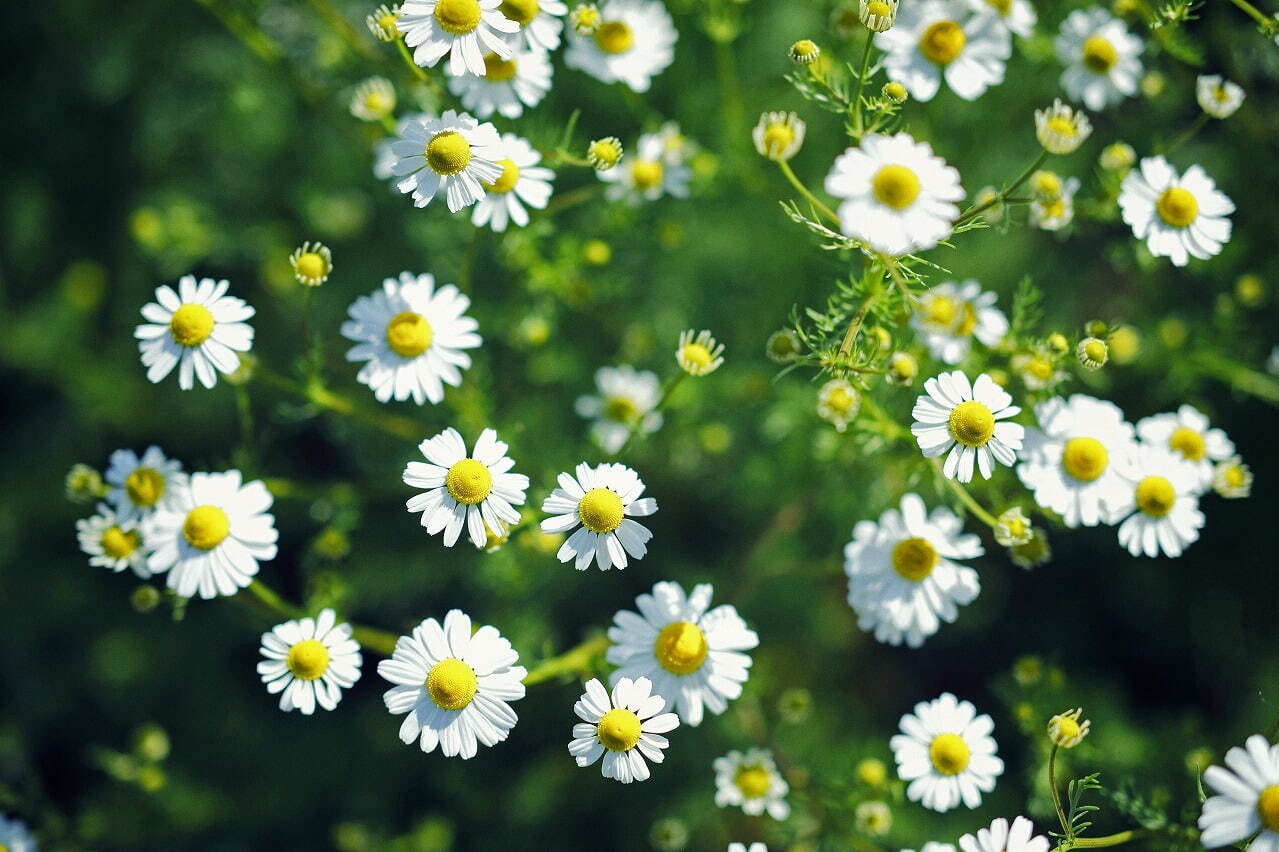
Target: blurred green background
(148, 139)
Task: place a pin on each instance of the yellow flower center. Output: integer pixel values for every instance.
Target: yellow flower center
(972, 423)
(1067, 728)
(697, 355)
(308, 659)
(646, 173)
(206, 527)
(618, 730)
(191, 325)
(878, 8)
(144, 486)
(1099, 55)
(914, 558)
(600, 510)
(507, 179)
(895, 186)
(1234, 477)
(311, 264)
(1047, 184)
(941, 310)
(1017, 527)
(778, 137)
(1177, 207)
(969, 323)
(118, 544)
(1062, 126)
(409, 334)
(753, 781)
(841, 400)
(1084, 459)
(1003, 7)
(621, 409)
(1040, 368)
(468, 482)
(1095, 350)
(520, 11)
(451, 684)
(448, 153)
(388, 22)
(457, 17)
(1268, 807)
(614, 37)
(497, 69)
(1155, 496)
(942, 42)
(949, 754)
(606, 151)
(680, 647)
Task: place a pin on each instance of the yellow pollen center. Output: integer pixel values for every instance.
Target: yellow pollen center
(697, 355)
(618, 730)
(308, 659)
(311, 264)
(1067, 728)
(841, 400)
(507, 179)
(878, 8)
(497, 69)
(1099, 55)
(1096, 350)
(520, 11)
(620, 409)
(972, 423)
(942, 42)
(409, 334)
(1234, 477)
(1084, 459)
(1047, 184)
(1155, 496)
(468, 482)
(451, 684)
(206, 527)
(1177, 207)
(914, 558)
(388, 22)
(191, 325)
(1017, 528)
(1040, 368)
(949, 754)
(941, 310)
(969, 323)
(778, 137)
(646, 173)
(614, 37)
(448, 153)
(680, 647)
(1062, 126)
(1003, 7)
(895, 186)
(1268, 807)
(118, 544)
(144, 486)
(457, 17)
(600, 510)
(753, 781)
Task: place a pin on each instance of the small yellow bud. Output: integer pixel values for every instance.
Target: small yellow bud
(902, 368)
(895, 92)
(1093, 353)
(1250, 290)
(604, 154)
(84, 484)
(1058, 343)
(872, 772)
(1065, 729)
(804, 52)
(597, 252)
(585, 18)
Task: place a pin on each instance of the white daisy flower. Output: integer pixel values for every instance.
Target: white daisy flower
(694, 655)
(1101, 58)
(1061, 129)
(697, 353)
(946, 754)
(647, 174)
(1161, 505)
(463, 490)
(310, 661)
(968, 421)
(897, 196)
(634, 42)
(1001, 837)
(140, 485)
(1178, 217)
(522, 182)
(599, 503)
(507, 85)
(838, 403)
(951, 314)
(1188, 434)
(1246, 800)
(1071, 462)
(412, 338)
(626, 401)
(1232, 478)
(1056, 212)
(373, 100)
(463, 29)
(779, 135)
(1017, 15)
(454, 686)
(112, 543)
(933, 39)
(384, 158)
(14, 836)
(1217, 96)
(538, 21)
(198, 329)
(213, 535)
(453, 153)
(751, 781)
(903, 577)
(623, 728)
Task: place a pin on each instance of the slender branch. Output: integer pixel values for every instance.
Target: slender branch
(967, 499)
(1239, 376)
(1187, 134)
(634, 432)
(1004, 193)
(803, 190)
(570, 199)
(850, 337)
(861, 85)
(1052, 788)
(576, 660)
(316, 394)
(1255, 13)
(1101, 842)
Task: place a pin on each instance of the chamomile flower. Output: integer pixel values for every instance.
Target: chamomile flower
(452, 686)
(1066, 731)
(373, 100)
(453, 154)
(698, 354)
(523, 182)
(1055, 212)
(1013, 528)
(897, 196)
(750, 781)
(1179, 217)
(140, 485)
(112, 543)
(1037, 370)
(539, 23)
(951, 314)
(411, 337)
(695, 656)
(197, 328)
(936, 39)
(1188, 434)
(1217, 96)
(312, 264)
(1232, 479)
(623, 728)
(382, 22)
(463, 29)
(626, 401)
(212, 535)
(1018, 16)
(779, 135)
(904, 573)
(309, 661)
(1061, 129)
(507, 85)
(967, 422)
(946, 754)
(1246, 800)
(1117, 157)
(1001, 837)
(464, 490)
(1101, 58)
(599, 504)
(1160, 509)
(838, 403)
(877, 15)
(633, 42)
(14, 836)
(603, 154)
(648, 173)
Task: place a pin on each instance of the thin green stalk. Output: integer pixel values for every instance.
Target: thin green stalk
(1238, 376)
(316, 394)
(581, 195)
(1100, 842)
(343, 28)
(730, 95)
(388, 123)
(1052, 788)
(671, 384)
(1255, 13)
(967, 499)
(1007, 191)
(1187, 134)
(576, 660)
(803, 190)
(268, 598)
(418, 71)
(861, 85)
(850, 337)
(467, 272)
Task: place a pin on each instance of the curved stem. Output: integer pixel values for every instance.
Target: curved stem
(803, 190)
(967, 499)
(576, 660)
(1187, 134)
(1239, 376)
(1100, 842)
(1005, 192)
(1255, 13)
(317, 394)
(671, 384)
(1052, 788)
(858, 127)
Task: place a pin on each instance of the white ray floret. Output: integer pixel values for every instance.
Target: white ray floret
(634, 42)
(623, 728)
(950, 315)
(625, 400)
(523, 182)
(540, 23)
(1246, 800)
(1189, 434)
(751, 781)
(507, 85)
(946, 754)
(197, 328)
(1001, 837)
(935, 40)
(599, 505)
(309, 661)
(1160, 512)
(141, 484)
(454, 154)
(113, 543)
(1102, 58)
(968, 423)
(1179, 216)
(464, 30)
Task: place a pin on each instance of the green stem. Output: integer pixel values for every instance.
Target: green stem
(388, 123)
(467, 271)
(269, 599)
(1052, 788)
(803, 190)
(634, 432)
(1187, 134)
(967, 499)
(730, 95)
(850, 337)
(1005, 192)
(1239, 377)
(418, 71)
(343, 28)
(861, 85)
(1100, 842)
(576, 660)
(316, 394)
(1255, 13)
(577, 196)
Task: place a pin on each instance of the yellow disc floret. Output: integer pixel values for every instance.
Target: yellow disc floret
(308, 659)
(468, 482)
(680, 647)
(311, 265)
(621, 409)
(600, 510)
(458, 17)
(1156, 496)
(1177, 207)
(1189, 443)
(521, 12)
(409, 334)
(191, 325)
(972, 423)
(448, 153)
(1003, 7)
(451, 684)
(777, 137)
(646, 173)
(914, 558)
(1084, 459)
(144, 486)
(206, 527)
(497, 69)
(895, 186)
(1099, 55)
(942, 42)
(614, 37)
(949, 753)
(507, 179)
(697, 355)
(618, 730)
(753, 781)
(1268, 807)
(118, 543)
(941, 310)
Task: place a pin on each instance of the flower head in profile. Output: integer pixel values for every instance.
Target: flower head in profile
(464, 30)
(1232, 479)
(382, 22)
(1066, 730)
(540, 23)
(968, 423)
(950, 315)
(1054, 211)
(309, 661)
(1246, 798)
(599, 506)
(877, 15)
(312, 264)
(1189, 434)
(1002, 837)
(1217, 96)
(698, 354)
(1102, 58)
(112, 543)
(779, 135)
(507, 86)
(751, 781)
(524, 183)
(1159, 512)
(196, 328)
(454, 154)
(1117, 157)
(623, 728)
(838, 403)
(1061, 129)
(1179, 216)
(141, 484)
(946, 755)
(584, 18)
(935, 40)
(633, 41)
(625, 401)
(373, 99)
